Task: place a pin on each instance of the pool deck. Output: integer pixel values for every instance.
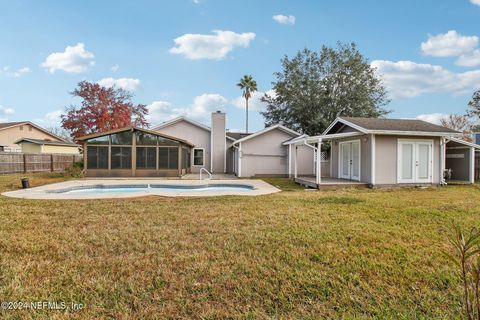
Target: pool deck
(41, 192)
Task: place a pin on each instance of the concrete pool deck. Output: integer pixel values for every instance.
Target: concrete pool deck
(45, 192)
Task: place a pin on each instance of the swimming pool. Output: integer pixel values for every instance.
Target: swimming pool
(129, 188)
(147, 188)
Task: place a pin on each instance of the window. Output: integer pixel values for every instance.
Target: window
(121, 158)
(97, 157)
(21, 128)
(146, 158)
(99, 140)
(122, 138)
(168, 158)
(146, 139)
(198, 157)
(167, 142)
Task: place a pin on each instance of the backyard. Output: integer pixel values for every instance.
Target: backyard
(294, 254)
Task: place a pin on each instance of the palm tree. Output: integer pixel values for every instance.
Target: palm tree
(249, 86)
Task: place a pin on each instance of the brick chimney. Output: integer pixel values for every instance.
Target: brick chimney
(218, 143)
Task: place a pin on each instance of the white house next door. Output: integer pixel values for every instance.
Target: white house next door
(415, 161)
(349, 160)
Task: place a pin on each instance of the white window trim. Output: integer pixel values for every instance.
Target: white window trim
(203, 157)
(359, 158)
(414, 173)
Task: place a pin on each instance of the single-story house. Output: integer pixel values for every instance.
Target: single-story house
(29, 145)
(135, 152)
(391, 152)
(11, 132)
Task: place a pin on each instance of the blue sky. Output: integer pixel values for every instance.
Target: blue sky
(185, 57)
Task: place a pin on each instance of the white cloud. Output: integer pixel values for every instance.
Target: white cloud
(450, 44)
(15, 73)
(214, 47)
(431, 117)
(128, 84)
(282, 19)
(477, 2)
(254, 103)
(73, 60)
(200, 109)
(410, 79)
(50, 119)
(470, 59)
(114, 68)
(5, 112)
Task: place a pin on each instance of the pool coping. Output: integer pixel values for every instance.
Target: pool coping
(45, 192)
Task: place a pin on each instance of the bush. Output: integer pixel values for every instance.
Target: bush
(75, 170)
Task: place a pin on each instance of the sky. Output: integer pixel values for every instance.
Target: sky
(185, 57)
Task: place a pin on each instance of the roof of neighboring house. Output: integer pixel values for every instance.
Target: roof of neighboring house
(95, 135)
(380, 125)
(47, 142)
(237, 135)
(6, 125)
(193, 122)
(277, 126)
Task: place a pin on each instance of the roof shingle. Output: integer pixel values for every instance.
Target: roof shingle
(397, 125)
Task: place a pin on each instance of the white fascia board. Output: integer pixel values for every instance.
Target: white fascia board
(414, 133)
(345, 122)
(470, 144)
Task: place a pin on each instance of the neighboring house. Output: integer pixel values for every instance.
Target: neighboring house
(11, 132)
(29, 145)
(392, 152)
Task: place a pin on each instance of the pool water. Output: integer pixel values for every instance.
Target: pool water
(102, 189)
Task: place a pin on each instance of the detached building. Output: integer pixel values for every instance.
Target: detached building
(47, 146)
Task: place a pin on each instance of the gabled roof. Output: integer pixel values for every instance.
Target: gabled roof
(192, 122)
(132, 128)
(466, 143)
(7, 125)
(237, 135)
(268, 129)
(392, 126)
(47, 142)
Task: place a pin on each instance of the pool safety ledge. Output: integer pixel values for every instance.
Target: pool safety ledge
(128, 188)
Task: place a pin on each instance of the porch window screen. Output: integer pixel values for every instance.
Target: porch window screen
(146, 157)
(97, 157)
(168, 158)
(121, 158)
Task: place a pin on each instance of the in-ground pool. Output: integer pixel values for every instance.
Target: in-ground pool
(129, 188)
(102, 189)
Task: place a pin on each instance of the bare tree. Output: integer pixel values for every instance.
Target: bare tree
(460, 123)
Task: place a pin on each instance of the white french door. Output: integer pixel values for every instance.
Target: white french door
(415, 161)
(349, 160)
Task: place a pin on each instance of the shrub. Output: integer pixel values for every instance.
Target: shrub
(75, 170)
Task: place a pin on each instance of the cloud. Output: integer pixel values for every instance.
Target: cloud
(128, 84)
(50, 119)
(282, 19)
(453, 44)
(431, 117)
(255, 102)
(114, 68)
(5, 112)
(213, 47)
(73, 60)
(201, 108)
(477, 2)
(15, 73)
(405, 79)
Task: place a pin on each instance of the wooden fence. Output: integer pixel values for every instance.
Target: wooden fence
(14, 162)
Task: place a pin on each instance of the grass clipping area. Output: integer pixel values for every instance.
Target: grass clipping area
(294, 254)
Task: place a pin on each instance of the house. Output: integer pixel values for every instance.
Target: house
(135, 152)
(11, 132)
(246, 155)
(29, 145)
(391, 152)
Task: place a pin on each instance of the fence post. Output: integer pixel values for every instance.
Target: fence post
(51, 163)
(24, 163)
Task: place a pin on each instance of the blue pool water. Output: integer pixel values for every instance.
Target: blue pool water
(102, 189)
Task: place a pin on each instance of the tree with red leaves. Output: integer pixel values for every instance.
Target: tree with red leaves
(102, 109)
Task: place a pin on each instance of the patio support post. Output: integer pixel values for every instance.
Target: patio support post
(296, 154)
(318, 170)
(472, 165)
(442, 159)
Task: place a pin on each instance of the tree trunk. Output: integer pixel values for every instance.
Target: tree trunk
(246, 121)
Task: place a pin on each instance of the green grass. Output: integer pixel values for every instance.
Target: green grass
(295, 254)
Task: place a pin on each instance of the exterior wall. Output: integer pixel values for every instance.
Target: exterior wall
(10, 135)
(230, 157)
(60, 149)
(199, 137)
(306, 165)
(460, 166)
(365, 157)
(264, 155)
(31, 148)
(386, 158)
(218, 152)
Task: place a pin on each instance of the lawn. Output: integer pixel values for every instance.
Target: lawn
(295, 254)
